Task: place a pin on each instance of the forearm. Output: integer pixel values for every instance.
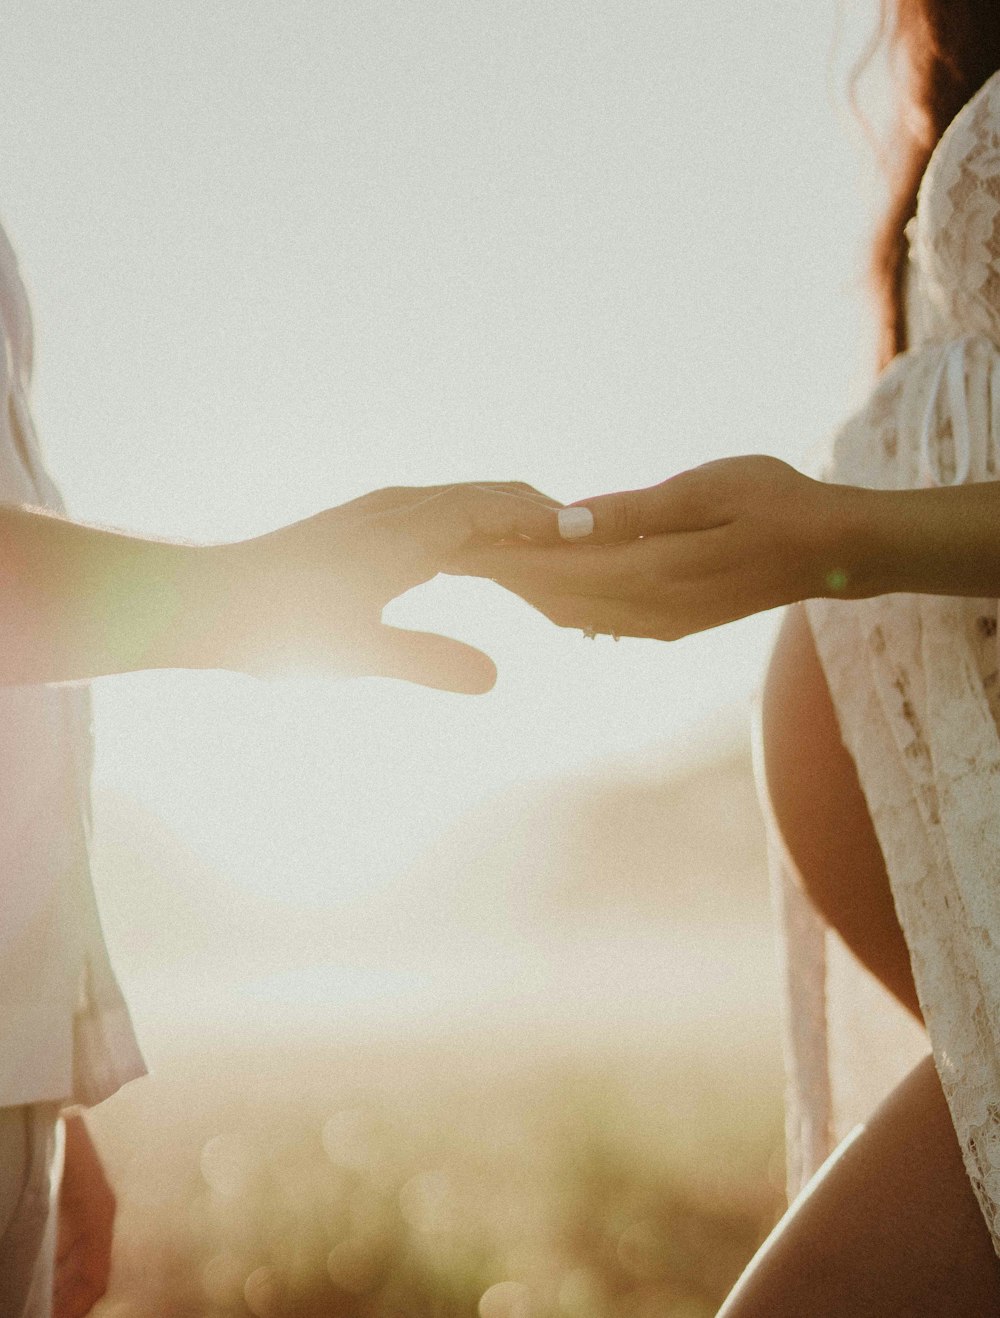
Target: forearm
(932, 542)
(79, 601)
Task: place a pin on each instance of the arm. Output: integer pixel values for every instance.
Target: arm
(742, 535)
(928, 542)
(79, 601)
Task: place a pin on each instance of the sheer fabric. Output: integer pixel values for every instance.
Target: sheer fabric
(66, 1030)
(914, 681)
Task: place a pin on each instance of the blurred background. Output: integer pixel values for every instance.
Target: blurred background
(452, 1006)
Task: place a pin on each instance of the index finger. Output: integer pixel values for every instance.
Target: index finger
(636, 569)
(462, 515)
(400, 496)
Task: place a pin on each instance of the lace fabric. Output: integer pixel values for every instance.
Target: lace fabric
(914, 681)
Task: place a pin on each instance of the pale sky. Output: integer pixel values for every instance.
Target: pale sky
(280, 254)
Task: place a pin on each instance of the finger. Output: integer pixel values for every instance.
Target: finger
(434, 661)
(522, 490)
(516, 490)
(399, 496)
(680, 610)
(587, 570)
(641, 570)
(465, 514)
(602, 616)
(682, 503)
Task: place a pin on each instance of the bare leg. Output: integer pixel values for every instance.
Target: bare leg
(887, 1228)
(822, 812)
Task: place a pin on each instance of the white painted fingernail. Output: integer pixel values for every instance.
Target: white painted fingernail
(575, 523)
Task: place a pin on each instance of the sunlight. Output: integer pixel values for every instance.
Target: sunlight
(367, 351)
(446, 999)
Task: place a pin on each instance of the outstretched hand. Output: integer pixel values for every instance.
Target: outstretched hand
(324, 581)
(721, 541)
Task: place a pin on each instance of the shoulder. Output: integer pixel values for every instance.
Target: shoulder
(969, 148)
(957, 231)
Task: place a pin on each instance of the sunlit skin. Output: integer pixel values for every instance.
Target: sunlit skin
(80, 601)
(713, 544)
(813, 790)
(741, 535)
(877, 1230)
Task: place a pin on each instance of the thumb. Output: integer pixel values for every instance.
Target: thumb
(431, 660)
(682, 503)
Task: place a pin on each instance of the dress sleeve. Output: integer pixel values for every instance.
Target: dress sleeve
(932, 418)
(957, 229)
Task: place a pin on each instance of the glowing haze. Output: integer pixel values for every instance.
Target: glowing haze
(280, 254)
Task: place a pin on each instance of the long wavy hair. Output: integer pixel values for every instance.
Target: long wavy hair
(942, 52)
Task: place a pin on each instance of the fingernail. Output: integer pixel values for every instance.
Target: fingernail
(575, 523)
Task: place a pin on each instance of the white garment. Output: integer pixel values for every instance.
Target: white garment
(915, 684)
(65, 1032)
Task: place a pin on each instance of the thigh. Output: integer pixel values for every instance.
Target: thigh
(821, 811)
(888, 1225)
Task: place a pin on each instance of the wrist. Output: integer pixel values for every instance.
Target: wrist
(848, 559)
(217, 608)
(234, 606)
(255, 595)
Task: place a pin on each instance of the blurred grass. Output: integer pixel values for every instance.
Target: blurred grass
(548, 1083)
(441, 1177)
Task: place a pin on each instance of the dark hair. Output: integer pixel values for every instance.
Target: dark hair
(943, 51)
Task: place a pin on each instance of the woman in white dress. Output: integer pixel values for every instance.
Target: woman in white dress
(878, 746)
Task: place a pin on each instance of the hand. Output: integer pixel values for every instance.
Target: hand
(319, 586)
(718, 542)
(86, 1221)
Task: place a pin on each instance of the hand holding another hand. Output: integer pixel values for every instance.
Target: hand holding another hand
(321, 584)
(710, 545)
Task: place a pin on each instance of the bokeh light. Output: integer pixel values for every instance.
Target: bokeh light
(264, 1293)
(226, 1165)
(508, 1299)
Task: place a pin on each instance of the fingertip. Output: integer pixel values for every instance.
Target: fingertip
(485, 679)
(439, 662)
(470, 673)
(460, 685)
(575, 522)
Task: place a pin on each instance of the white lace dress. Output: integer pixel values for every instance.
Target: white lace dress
(914, 680)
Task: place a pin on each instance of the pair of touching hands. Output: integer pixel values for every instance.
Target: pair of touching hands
(709, 545)
(712, 544)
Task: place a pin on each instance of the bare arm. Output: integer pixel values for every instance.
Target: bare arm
(929, 542)
(742, 535)
(78, 601)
